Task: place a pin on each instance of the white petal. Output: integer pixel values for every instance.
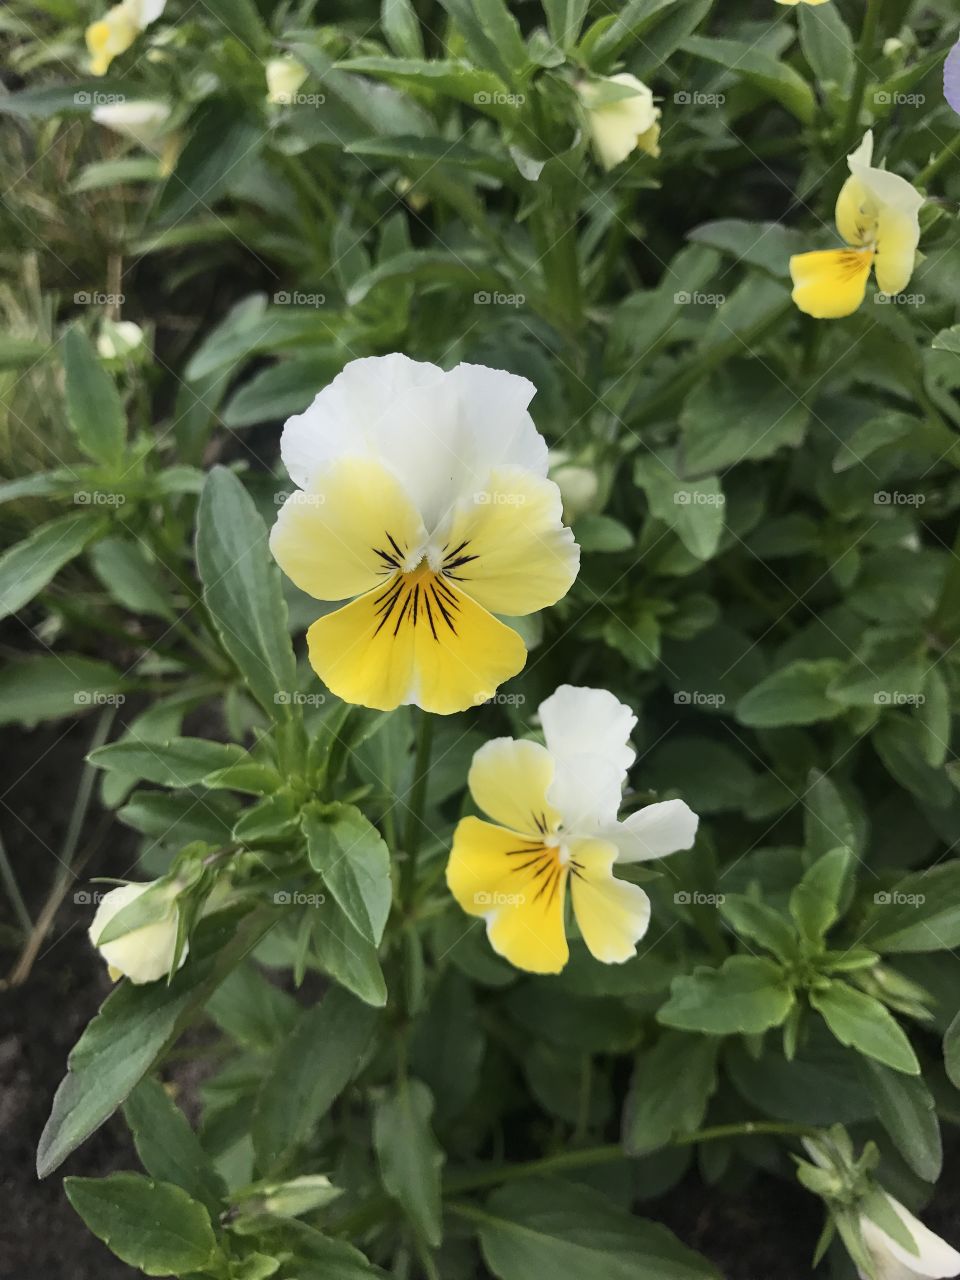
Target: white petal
(935, 1258)
(863, 155)
(441, 433)
(585, 791)
(656, 831)
(150, 11)
(588, 722)
(886, 188)
(144, 954)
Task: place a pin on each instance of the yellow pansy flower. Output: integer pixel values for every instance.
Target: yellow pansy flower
(877, 214)
(116, 31)
(423, 499)
(621, 118)
(554, 826)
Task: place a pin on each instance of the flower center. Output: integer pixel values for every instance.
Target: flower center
(417, 592)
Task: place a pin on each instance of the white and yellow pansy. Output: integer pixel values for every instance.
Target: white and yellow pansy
(146, 122)
(554, 827)
(423, 499)
(932, 1256)
(621, 117)
(144, 954)
(116, 31)
(878, 215)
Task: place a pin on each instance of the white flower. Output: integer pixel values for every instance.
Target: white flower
(116, 31)
(933, 1260)
(144, 954)
(143, 120)
(555, 824)
(621, 117)
(284, 77)
(424, 501)
(118, 338)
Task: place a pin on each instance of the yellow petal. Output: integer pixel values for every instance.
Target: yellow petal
(354, 528)
(416, 639)
(508, 779)
(518, 886)
(113, 34)
(649, 141)
(898, 233)
(508, 549)
(830, 283)
(856, 213)
(612, 915)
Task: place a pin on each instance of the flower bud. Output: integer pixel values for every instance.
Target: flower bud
(619, 122)
(146, 953)
(284, 77)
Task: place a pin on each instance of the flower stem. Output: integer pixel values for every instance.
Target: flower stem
(938, 161)
(418, 797)
(868, 35)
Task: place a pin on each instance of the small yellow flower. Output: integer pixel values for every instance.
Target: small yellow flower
(877, 214)
(144, 954)
(621, 118)
(423, 500)
(116, 31)
(284, 77)
(554, 811)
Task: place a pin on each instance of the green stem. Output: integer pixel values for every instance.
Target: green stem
(868, 35)
(938, 161)
(13, 890)
(418, 797)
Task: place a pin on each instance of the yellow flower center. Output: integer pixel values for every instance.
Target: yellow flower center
(416, 591)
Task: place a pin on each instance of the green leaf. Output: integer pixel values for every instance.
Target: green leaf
(350, 854)
(467, 271)
(280, 390)
(920, 913)
(241, 588)
(746, 995)
(761, 924)
(564, 20)
(27, 567)
(222, 141)
(693, 509)
(168, 1148)
(550, 1228)
(827, 822)
(951, 1051)
(451, 78)
(743, 411)
(94, 408)
(409, 1155)
(760, 68)
(401, 26)
(132, 1029)
(492, 35)
(311, 1069)
(815, 902)
(759, 244)
(348, 957)
(55, 685)
(671, 1086)
(608, 35)
(796, 694)
(899, 742)
(181, 762)
(154, 1226)
(827, 44)
(131, 577)
(907, 1110)
(863, 1023)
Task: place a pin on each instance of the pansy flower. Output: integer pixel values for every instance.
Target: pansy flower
(951, 77)
(877, 214)
(931, 1256)
(554, 828)
(423, 500)
(621, 117)
(116, 31)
